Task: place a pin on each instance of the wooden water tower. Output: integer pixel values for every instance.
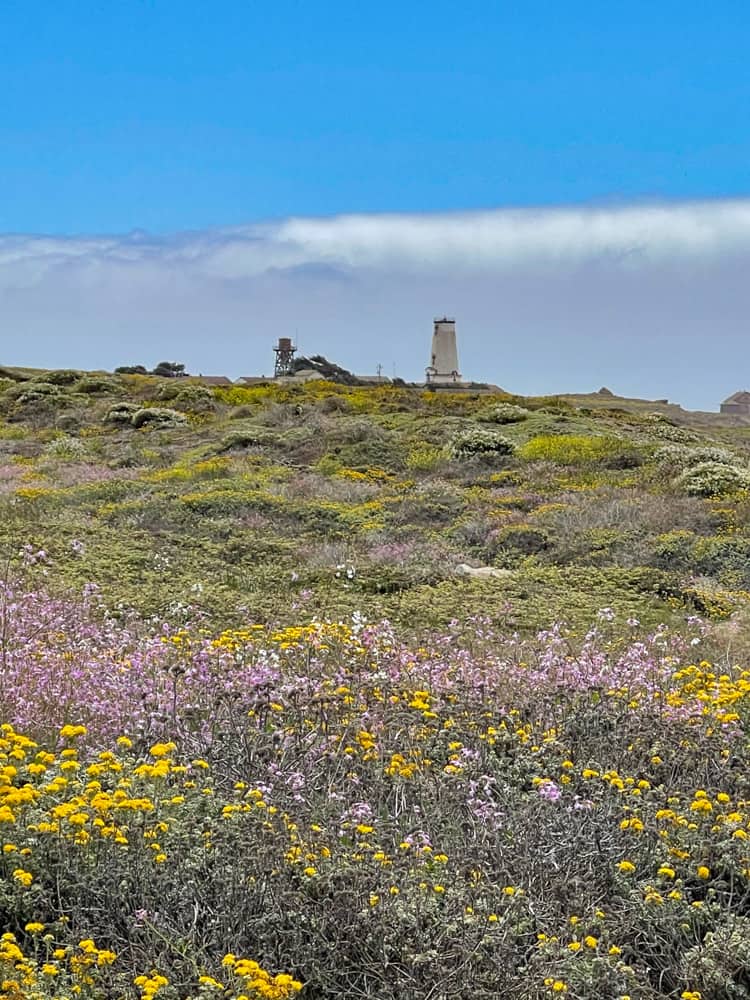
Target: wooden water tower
(284, 352)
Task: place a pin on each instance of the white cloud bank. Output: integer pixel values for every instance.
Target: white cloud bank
(650, 299)
(466, 242)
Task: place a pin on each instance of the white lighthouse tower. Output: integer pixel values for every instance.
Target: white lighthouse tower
(443, 366)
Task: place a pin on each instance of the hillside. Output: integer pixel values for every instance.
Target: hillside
(241, 501)
(342, 692)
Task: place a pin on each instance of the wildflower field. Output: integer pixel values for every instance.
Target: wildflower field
(258, 738)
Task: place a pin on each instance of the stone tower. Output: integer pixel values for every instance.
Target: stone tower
(443, 367)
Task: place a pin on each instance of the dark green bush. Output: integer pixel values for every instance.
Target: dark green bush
(432, 506)
(521, 539)
(247, 437)
(193, 398)
(24, 392)
(674, 550)
(122, 413)
(93, 385)
(721, 555)
(62, 376)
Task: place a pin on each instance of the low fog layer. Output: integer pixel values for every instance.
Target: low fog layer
(650, 300)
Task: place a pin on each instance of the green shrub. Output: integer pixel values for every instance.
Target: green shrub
(674, 550)
(194, 398)
(122, 413)
(722, 554)
(536, 596)
(521, 539)
(158, 416)
(669, 432)
(713, 479)
(432, 505)
(66, 448)
(131, 370)
(679, 456)
(709, 599)
(36, 392)
(93, 385)
(230, 501)
(242, 412)
(247, 437)
(328, 465)
(62, 376)
(386, 452)
(717, 967)
(68, 422)
(334, 404)
(425, 458)
(504, 413)
(657, 417)
(20, 389)
(480, 441)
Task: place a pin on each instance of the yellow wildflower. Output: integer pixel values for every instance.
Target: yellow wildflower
(70, 732)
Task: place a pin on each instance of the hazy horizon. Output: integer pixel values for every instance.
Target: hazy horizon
(649, 299)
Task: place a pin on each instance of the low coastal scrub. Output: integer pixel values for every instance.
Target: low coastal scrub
(314, 809)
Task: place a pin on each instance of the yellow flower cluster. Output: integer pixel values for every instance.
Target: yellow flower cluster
(23, 977)
(719, 697)
(318, 634)
(259, 983)
(150, 985)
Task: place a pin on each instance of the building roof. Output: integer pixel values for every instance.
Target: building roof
(301, 375)
(214, 379)
(743, 396)
(253, 379)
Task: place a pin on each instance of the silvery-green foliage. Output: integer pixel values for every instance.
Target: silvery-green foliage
(65, 447)
(680, 456)
(162, 416)
(504, 413)
(480, 441)
(713, 479)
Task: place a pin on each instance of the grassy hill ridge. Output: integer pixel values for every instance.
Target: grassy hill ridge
(243, 501)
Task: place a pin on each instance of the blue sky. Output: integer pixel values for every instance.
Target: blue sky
(173, 114)
(189, 180)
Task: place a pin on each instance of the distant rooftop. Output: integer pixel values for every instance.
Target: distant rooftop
(743, 396)
(214, 379)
